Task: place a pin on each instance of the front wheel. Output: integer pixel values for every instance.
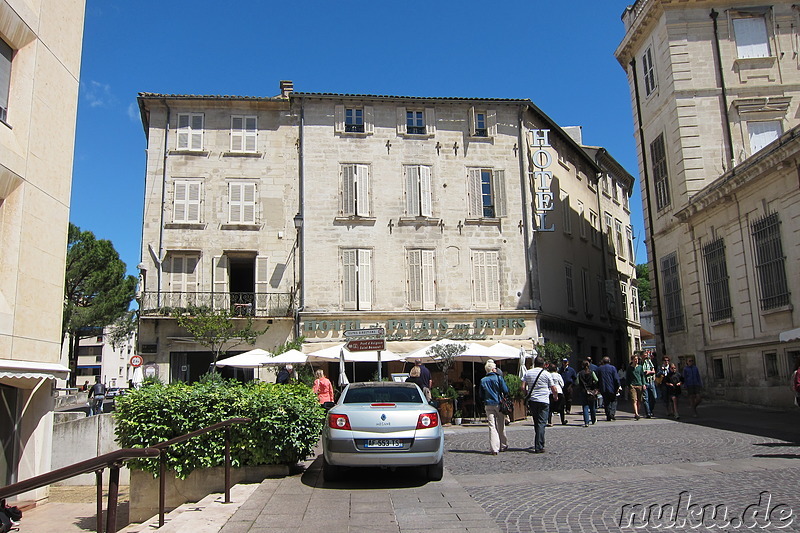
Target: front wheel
(330, 472)
(436, 471)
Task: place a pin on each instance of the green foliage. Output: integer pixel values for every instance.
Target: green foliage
(445, 357)
(643, 283)
(123, 329)
(436, 392)
(451, 393)
(287, 421)
(554, 352)
(296, 344)
(216, 329)
(514, 386)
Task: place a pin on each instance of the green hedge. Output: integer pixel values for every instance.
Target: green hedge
(287, 421)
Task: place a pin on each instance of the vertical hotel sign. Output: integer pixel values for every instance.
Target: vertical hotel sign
(542, 178)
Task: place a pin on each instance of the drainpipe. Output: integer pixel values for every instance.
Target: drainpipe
(160, 258)
(528, 248)
(300, 205)
(718, 58)
(660, 344)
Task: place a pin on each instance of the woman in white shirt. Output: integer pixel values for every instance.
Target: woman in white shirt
(557, 402)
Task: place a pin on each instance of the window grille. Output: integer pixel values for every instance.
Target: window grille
(658, 155)
(717, 290)
(672, 293)
(769, 262)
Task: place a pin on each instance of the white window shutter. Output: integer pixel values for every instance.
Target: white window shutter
(237, 133)
(183, 131)
(474, 192)
(491, 122)
(338, 119)
(762, 133)
(250, 134)
(220, 271)
(262, 274)
(412, 190)
(471, 120)
(425, 191)
(492, 279)
(369, 119)
(349, 279)
(364, 280)
(193, 201)
(197, 132)
(179, 202)
(348, 190)
(415, 279)
(479, 278)
(234, 203)
(430, 121)
(428, 280)
(191, 272)
(401, 121)
(176, 277)
(362, 193)
(249, 203)
(499, 192)
(751, 37)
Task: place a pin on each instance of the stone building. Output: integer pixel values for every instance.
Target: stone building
(40, 55)
(473, 219)
(714, 88)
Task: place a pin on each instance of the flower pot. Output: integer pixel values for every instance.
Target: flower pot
(520, 411)
(445, 409)
(457, 421)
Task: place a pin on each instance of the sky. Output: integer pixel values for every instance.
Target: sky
(560, 55)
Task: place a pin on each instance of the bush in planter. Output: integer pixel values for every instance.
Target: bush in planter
(287, 421)
(514, 386)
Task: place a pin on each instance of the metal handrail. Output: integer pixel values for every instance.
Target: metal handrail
(112, 461)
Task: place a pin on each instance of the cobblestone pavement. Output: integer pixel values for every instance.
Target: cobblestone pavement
(588, 475)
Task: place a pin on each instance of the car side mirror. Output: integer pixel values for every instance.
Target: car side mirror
(328, 405)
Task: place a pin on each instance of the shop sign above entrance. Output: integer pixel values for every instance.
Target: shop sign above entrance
(366, 345)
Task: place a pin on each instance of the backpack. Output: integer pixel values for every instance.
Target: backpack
(8, 518)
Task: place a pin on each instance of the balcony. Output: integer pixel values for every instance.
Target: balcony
(244, 304)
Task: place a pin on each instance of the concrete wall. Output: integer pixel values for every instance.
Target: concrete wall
(82, 439)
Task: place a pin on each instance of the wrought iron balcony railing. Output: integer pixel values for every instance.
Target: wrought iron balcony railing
(255, 304)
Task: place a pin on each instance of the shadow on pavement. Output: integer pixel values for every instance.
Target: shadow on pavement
(367, 478)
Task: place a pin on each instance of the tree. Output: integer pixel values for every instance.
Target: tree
(554, 352)
(643, 279)
(96, 289)
(217, 331)
(122, 329)
(445, 356)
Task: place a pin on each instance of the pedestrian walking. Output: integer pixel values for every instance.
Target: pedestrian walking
(635, 379)
(587, 393)
(322, 387)
(557, 401)
(492, 387)
(538, 386)
(693, 384)
(649, 395)
(97, 394)
(424, 372)
(796, 382)
(415, 376)
(568, 374)
(661, 382)
(609, 387)
(622, 376)
(674, 380)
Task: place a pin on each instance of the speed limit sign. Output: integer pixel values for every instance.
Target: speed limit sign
(136, 361)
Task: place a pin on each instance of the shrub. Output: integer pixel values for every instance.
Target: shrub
(514, 386)
(286, 423)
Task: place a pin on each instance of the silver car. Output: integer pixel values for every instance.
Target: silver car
(383, 424)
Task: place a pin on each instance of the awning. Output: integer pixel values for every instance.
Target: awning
(791, 335)
(32, 370)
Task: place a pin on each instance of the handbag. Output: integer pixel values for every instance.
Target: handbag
(506, 405)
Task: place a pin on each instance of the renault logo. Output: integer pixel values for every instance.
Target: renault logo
(383, 417)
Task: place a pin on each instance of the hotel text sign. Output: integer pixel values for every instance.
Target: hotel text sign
(430, 329)
(542, 178)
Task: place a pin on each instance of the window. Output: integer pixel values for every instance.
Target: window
(751, 37)
(244, 132)
(634, 304)
(626, 203)
(594, 221)
(186, 201)
(769, 260)
(658, 156)
(482, 123)
(241, 202)
(620, 242)
(649, 71)
(357, 279)
(623, 291)
(421, 280)
(190, 131)
(182, 274)
(485, 279)
(672, 292)
(718, 293)
(413, 121)
(570, 286)
(486, 193)
(792, 360)
(602, 302)
(604, 181)
(582, 219)
(771, 365)
(355, 190)
(631, 252)
(6, 55)
(615, 191)
(353, 119)
(566, 213)
(762, 133)
(718, 368)
(418, 190)
(609, 231)
(587, 308)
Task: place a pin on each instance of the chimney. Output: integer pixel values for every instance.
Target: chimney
(575, 132)
(287, 86)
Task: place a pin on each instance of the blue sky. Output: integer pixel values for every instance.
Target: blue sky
(558, 54)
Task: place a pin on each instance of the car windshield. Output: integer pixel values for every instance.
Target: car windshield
(383, 394)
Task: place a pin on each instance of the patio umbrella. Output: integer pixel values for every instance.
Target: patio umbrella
(293, 357)
(334, 352)
(343, 381)
(253, 359)
(522, 369)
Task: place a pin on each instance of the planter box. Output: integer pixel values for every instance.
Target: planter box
(520, 411)
(199, 484)
(446, 409)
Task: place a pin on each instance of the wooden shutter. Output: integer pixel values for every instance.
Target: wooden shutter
(191, 281)
(237, 133)
(492, 279)
(364, 280)
(369, 119)
(471, 120)
(262, 282)
(428, 280)
(250, 134)
(220, 274)
(479, 278)
(499, 192)
(348, 190)
(430, 121)
(183, 131)
(425, 191)
(474, 192)
(248, 203)
(491, 122)
(193, 201)
(179, 202)
(349, 279)
(338, 119)
(176, 277)
(401, 121)
(235, 194)
(362, 190)
(412, 190)
(197, 132)
(415, 279)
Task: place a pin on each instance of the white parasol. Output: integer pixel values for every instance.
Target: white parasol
(291, 357)
(253, 359)
(343, 381)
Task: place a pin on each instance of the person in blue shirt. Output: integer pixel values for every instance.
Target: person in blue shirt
(569, 376)
(693, 384)
(492, 386)
(609, 387)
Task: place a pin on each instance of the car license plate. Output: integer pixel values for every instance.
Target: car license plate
(383, 443)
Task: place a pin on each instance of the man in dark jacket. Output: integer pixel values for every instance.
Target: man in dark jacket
(609, 386)
(569, 376)
(97, 395)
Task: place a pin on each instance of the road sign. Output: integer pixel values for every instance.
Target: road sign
(136, 361)
(366, 345)
(373, 332)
